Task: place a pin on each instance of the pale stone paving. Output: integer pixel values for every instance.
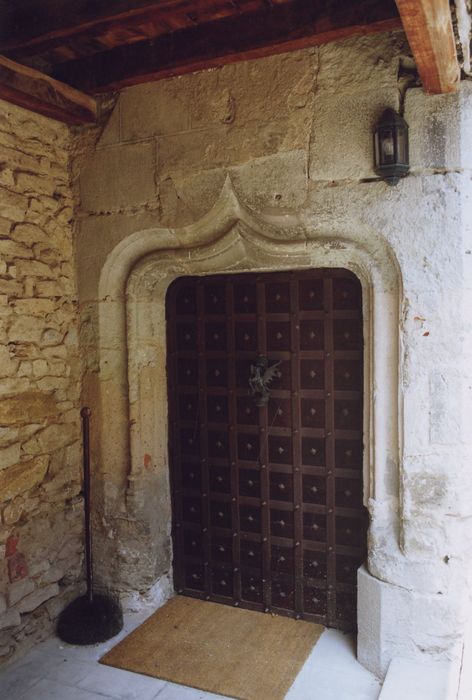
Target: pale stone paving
(57, 671)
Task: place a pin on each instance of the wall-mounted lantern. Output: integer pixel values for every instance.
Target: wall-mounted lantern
(391, 147)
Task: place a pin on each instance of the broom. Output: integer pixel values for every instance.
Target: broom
(93, 617)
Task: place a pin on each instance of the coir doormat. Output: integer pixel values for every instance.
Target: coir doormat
(218, 648)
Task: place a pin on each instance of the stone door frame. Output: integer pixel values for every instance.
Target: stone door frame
(132, 350)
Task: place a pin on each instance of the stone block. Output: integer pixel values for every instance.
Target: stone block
(361, 62)
(14, 206)
(9, 455)
(34, 307)
(342, 135)
(28, 234)
(11, 545)
(22, 477)
(117, 177)
(13, 511)
(399, 622)
(20, 589)
(31, 407)
(13, 385)
(35, 184)
(45, 288)
(111, 132)
(52, 575)
(155, 108)
(231, 145)
(435, 130)
(5, 227)
(186, 197)
(254, 92)
(11, 288)
(3, 604)
(17, 567)
(51, 336)
(40, 368)
(9, 619)
(55, 384)
(273, 182)
(8, 366)
(33, 268)
(51, 438)
(37, 598)
(444, 417)
(26, 329)
(12, 249)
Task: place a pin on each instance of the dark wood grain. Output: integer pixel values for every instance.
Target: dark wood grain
(270, 30)
(38, 92)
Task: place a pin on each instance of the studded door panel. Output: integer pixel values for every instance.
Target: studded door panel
(267, 501)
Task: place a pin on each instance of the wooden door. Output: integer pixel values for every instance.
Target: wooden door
(267, 499)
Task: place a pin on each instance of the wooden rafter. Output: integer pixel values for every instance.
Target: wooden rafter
(428, 26)
(274, 29)
(38, 92)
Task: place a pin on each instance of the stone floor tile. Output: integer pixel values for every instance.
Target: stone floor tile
(46, 689)
(182, 692)
(120, 684)
(68, 671)
(12, 685)
(332, 672)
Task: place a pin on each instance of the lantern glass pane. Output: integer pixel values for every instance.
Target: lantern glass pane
(402, 147)
(387, 142)
(377, 148)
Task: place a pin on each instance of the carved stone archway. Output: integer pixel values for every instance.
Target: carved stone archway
(132, 350)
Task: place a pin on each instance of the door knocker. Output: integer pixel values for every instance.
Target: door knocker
(260, 378)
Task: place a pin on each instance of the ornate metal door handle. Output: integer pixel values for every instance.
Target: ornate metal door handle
(259, 379)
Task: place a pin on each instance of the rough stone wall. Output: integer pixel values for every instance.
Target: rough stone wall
(40, 507)
(294, 133)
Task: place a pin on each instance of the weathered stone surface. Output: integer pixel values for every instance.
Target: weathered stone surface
(433, 144)
(22, 477)
(37, 598)
(33, 268)
(10, 619)
(28, 233)
(14, 205)
(13, 511)
(11, 249)
(18, 590)
(50, 439)
(105, 185)
(154, 109)
(341, 146)
(9, 455)
(37, 309)
(26, 328)
(28, 407)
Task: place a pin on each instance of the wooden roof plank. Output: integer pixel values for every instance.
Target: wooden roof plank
(40, 93)
(428, 27)
(277, 29)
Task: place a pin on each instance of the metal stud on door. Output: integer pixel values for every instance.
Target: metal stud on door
(265, 410)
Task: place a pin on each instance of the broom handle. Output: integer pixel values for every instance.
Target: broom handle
(86, 413)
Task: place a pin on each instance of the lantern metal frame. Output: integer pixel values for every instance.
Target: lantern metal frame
(391, 149)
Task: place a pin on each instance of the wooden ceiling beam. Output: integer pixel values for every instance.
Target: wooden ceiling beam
(31, 22)
(40, 93)
(274, 29)
(428, 27)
